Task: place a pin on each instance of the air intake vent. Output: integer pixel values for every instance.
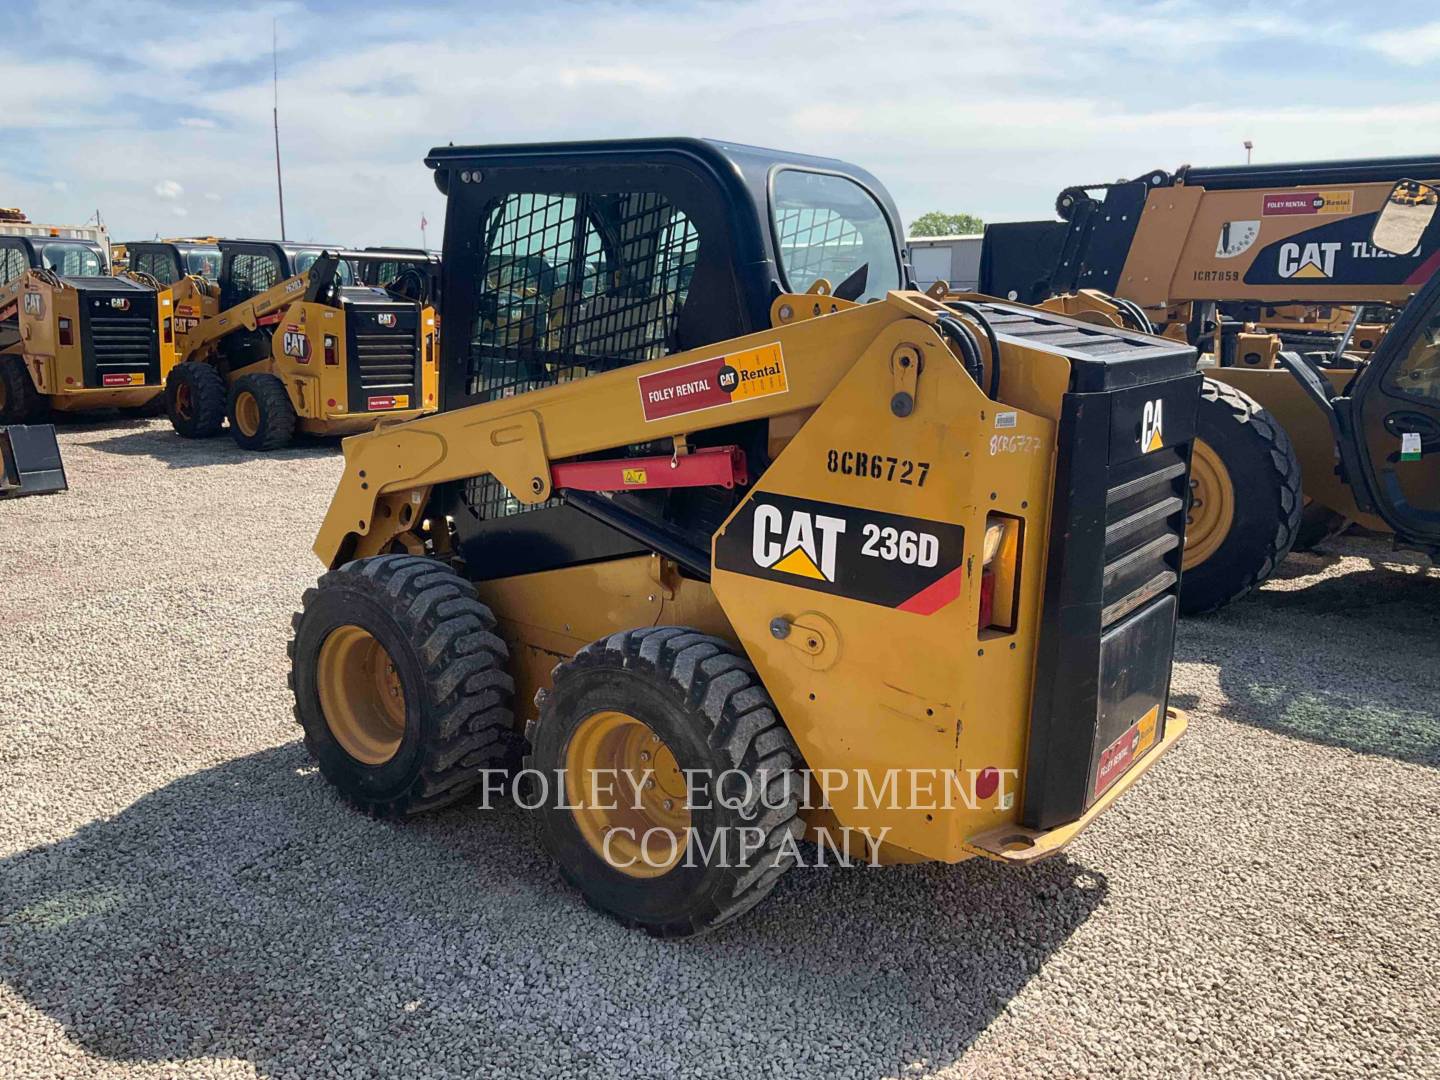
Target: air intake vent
(1143, 532)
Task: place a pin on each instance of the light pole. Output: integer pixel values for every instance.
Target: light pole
(1248, 147)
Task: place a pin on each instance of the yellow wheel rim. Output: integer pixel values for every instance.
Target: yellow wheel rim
(641, 833)
(1212, 505)
(247, 413)
(183, 407)
(361, 695)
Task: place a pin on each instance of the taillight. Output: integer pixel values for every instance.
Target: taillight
(332, 355)
(66, 336)
(429, 348)
(1000, 572)
(169, 331)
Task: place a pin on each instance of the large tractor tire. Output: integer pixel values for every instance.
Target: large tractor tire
(261, 416)
(664, 703)
(400, 685)
(195, 399)
(20, 401)
(1245, 500)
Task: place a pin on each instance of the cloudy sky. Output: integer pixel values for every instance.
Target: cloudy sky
(158, 114)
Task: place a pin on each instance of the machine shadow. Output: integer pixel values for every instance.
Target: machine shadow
(1286, 657)
(243, 913)
(164, 445)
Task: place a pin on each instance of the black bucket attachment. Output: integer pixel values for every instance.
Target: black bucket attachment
(30, 461)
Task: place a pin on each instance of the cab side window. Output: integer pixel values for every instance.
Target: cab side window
(12, 263)
(571, 285)
(251, 273)
(159, 264)
(1418, 374)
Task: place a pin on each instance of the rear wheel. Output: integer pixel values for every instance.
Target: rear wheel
(20, 401)
(195, 399)
(629, 720)
(400, 684)
(1245, 499)
(261, 416)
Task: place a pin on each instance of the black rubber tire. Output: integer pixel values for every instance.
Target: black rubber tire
(1265, 474)
(458, 696)
(21, 402)
(708, 705)
(277, 415)
(206, 387)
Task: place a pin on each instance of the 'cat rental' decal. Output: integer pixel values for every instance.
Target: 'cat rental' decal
(912, 564)
(707, 384)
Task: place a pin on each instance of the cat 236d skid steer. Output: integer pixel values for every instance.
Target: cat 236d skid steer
(763, 551)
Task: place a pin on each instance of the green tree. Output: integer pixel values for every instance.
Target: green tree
(939, 223)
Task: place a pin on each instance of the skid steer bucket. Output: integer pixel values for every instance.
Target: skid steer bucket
(30, 461)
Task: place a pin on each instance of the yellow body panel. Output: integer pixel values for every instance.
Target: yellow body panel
(56, 369)
(864, 688)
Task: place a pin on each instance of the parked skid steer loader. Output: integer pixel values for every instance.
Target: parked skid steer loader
(1255, 265)
(732, 529)
(71, 336)
(286, 340)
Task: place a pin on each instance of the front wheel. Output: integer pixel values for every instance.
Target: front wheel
(195, 399)
(261, 416)
(400, 684)
(671, 795)
(1244, 505)
(20, 401)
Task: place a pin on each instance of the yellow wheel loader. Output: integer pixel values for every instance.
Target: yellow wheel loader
(776, 546)
(286, 340)
(1254, 265)
(71, 336)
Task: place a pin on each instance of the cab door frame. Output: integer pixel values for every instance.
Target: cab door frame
(1375, 401)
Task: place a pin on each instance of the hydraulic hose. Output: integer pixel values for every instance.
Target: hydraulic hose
(964, 339)
(994, 342)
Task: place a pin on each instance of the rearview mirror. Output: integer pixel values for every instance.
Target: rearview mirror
(1405, 217)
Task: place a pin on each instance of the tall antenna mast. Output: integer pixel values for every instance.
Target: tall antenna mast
(275, 114)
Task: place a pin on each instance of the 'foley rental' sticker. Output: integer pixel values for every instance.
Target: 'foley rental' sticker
(1286, 203)
(720, 380)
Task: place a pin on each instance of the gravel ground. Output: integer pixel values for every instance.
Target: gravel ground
(181, 895)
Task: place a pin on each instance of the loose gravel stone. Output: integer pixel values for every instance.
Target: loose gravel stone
(182, 896)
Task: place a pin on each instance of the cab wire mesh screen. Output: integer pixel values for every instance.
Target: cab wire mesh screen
(571, 286)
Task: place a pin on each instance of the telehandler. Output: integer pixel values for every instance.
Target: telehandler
(734, 530)
(1253, 265)
(71, 336)
(285, 339)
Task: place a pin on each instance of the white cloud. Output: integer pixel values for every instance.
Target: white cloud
(957, 106)
(59, 185)
(1412, 46)
(179, 211)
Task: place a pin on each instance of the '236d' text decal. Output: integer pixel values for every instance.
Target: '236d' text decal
(913, 564)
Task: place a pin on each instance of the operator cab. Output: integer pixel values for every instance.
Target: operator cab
(566, 260)
(170, 260)
(66, 257)
(1387, 423)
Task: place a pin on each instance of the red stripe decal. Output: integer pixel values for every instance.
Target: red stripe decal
(1424, 270)
(936, 595)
